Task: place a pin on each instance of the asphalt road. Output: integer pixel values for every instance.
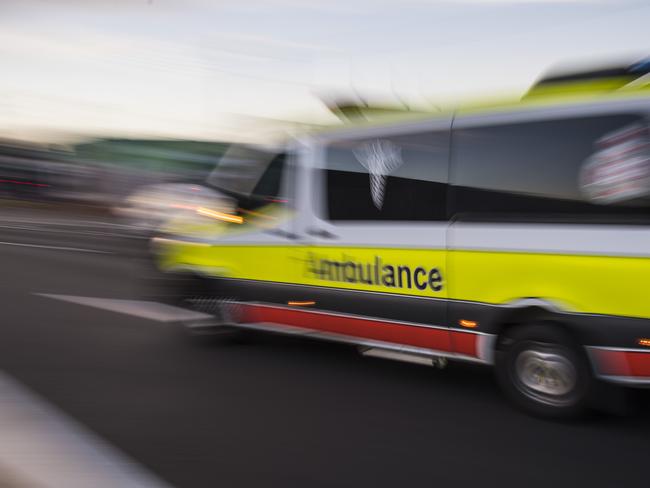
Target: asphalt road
(273, 411)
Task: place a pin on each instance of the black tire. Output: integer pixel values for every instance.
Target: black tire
(543, 372)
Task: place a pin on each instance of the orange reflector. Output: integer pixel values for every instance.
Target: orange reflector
(644, 342)
(470, 324)
(302, 304)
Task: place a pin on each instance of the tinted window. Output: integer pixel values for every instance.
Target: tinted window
(540, 170)
(402, 177)
(270, 183)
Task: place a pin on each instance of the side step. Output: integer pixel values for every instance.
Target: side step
(376, 352)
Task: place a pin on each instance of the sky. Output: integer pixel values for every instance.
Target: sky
(216, 69)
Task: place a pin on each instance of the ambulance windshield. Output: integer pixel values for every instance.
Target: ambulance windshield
(251, 175)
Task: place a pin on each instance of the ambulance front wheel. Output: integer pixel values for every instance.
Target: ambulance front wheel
(543, 372)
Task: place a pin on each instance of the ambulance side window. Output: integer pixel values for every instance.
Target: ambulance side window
(577, 170)
(390, 178)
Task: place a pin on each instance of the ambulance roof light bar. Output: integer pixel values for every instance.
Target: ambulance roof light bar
(605, 78)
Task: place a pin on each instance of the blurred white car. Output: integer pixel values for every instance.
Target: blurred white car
(152, 206)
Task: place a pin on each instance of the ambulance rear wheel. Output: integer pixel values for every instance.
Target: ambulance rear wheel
(543, 372)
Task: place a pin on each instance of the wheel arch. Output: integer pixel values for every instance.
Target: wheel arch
(529, 310)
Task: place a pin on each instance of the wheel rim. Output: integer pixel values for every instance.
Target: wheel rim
(546, 375)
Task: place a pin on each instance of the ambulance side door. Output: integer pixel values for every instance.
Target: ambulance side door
(376, 229)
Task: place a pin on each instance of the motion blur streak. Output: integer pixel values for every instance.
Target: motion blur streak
(220, 215)
(29, 183)
(189, 187)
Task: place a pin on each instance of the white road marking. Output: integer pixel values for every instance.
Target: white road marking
(137, 308)
(56, 248)
(48, 449)
(65, 231)
(68, 222)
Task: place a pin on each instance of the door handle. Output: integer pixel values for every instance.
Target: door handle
(322, 233)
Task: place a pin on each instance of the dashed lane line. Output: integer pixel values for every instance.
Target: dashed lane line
(56, 248)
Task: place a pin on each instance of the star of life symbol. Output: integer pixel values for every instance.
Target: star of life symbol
(380, 158)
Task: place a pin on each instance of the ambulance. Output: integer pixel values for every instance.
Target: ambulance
(515, 236)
